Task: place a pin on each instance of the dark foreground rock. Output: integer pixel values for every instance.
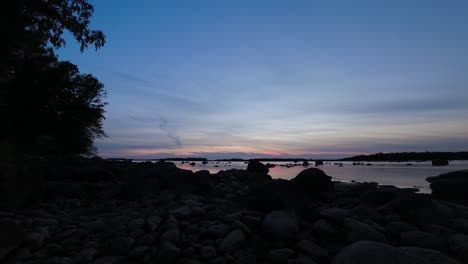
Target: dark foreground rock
(256, 166)
(451, 186)
(122, 212)
(364, 252)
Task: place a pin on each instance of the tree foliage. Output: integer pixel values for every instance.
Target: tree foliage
(47, 106)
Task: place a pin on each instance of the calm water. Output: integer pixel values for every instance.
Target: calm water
(388, 173)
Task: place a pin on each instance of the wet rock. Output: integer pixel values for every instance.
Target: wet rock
(368, 252)
(280, 225)
(232, 241)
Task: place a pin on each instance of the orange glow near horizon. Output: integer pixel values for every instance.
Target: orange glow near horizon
(200, 151)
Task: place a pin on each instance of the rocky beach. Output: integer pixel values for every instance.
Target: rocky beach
(98, 211)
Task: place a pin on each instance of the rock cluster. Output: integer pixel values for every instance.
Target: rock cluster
(156, 213)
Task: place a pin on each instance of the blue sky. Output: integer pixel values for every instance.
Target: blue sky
(280, 78)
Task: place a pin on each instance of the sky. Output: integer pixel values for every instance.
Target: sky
(244, 79)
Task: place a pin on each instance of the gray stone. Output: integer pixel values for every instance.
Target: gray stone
(232, 241)
(280, 225)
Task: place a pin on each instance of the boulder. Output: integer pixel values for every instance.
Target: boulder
(11, 236)
(305, 163)
(440, 162)
(357, 231)
(451, 186)
(318, 163)
(277, 194)
(335, 214)
(280, 255)
(326, 231)
(312, 181)
(256, 166)
(280, 225)
(369, 252)
(168, 253)
(420, 239)
(458, 244)
(312, 250)
(232, 241)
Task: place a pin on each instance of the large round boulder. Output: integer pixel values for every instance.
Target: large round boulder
(313, 180)
(369, 252)
(280, 225)
(256, 166)
(451, 186)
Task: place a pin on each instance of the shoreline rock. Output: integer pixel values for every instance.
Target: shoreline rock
(156, 213)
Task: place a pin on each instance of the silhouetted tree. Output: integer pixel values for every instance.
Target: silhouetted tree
(47, 106)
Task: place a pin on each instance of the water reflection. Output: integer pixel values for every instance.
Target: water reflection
(400, 174)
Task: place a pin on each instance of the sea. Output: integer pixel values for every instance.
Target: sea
(411, 174)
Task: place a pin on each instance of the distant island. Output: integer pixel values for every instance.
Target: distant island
(410, 156)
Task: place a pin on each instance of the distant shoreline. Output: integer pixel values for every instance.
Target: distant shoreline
(387, 157)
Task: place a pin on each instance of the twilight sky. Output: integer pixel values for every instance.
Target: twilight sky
(228, 79)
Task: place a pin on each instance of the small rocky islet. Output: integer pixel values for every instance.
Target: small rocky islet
(101, 211)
